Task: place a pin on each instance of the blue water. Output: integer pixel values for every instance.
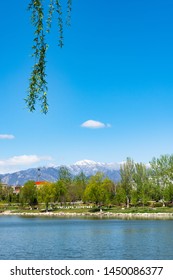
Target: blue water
(38, 238)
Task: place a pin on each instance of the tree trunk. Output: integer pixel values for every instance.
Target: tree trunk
(47, 204)
(128, 202)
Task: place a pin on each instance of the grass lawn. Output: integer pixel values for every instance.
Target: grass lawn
(16, 208)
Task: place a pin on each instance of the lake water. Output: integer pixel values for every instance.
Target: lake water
(38, 238)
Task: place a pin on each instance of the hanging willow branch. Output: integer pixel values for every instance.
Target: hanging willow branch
(69, 6)
(50, 15)
(37, 90)
(60, 22)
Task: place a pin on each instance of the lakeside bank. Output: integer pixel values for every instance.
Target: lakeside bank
(96, 215)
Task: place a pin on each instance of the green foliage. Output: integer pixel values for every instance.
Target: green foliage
(134, 197)
(99, 190)
(60, 191)
(141, 192)
(65, 183)
(46, 193)
(162, 176)
(1, 193)
(6, 194)
(37, 90)
(168, 193)
(108, 191)
(64, 174)
(127, 171)
(120, 197)
(28, 194)
(79, 185)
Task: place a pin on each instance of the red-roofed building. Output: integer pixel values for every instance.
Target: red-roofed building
(40, 183)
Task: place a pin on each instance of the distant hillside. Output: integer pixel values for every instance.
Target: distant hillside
(88, 167)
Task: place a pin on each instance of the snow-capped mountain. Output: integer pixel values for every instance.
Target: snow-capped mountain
(88, 167)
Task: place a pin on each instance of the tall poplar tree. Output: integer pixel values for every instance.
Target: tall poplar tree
(127, 171)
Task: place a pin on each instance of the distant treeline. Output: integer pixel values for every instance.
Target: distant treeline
(139, 185)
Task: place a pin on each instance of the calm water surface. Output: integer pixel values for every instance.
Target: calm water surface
(70, 239)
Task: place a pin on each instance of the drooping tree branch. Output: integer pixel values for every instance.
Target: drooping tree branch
(37, 91)
(50, 15)
(69, 7)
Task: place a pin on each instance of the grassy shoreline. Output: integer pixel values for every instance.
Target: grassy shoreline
(107, 214)
(119, 212)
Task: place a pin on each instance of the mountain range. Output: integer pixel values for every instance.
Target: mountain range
(50, 174)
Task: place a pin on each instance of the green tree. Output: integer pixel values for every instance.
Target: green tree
(2, 192)
(98, 190)
(65, 183)
(134, 197)
(28, 194)
(141, 192)
(79, 185)
(6, 193)
(127, 171)
(108, 190)
(47, 194)
(64, 174)
(168, 193)
(60, 191)
(162, 175)
(37, 90)
(120, 195)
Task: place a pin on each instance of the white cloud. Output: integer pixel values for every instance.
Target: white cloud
(6, 136)
(94, 124)
(20, 162)
(24, 160)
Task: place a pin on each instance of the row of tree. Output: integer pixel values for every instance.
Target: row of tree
(139, 184)
(96, 189)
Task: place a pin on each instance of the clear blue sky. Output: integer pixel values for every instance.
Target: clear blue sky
(116, 68)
